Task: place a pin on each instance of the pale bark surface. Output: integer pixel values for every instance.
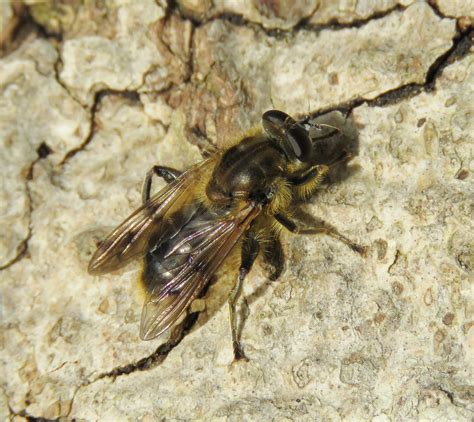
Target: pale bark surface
(92, 96)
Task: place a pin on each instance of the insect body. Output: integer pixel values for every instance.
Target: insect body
(230, 200)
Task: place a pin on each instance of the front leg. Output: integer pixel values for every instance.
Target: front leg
(321, 229)
(306, 183)
(167, 173)
(250, 249)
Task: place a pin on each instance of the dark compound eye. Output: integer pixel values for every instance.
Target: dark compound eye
(293, 138)
(298, 141)
(275, 123)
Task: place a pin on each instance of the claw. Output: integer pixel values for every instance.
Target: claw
(239, 354)
(360, 249)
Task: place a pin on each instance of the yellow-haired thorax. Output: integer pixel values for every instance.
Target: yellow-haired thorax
(249, 133)
(203, 180)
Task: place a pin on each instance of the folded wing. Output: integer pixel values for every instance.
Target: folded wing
(175, 273)
(130, 239)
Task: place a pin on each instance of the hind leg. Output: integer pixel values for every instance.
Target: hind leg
(273, 258)
(250, 249)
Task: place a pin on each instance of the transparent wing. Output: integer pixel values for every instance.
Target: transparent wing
(131, 238)
(206, 248)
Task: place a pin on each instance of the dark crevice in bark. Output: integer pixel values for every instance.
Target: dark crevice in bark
(395, 260)
(24, 28)
(158, 356)
(90, 135)
(304, 24)
(148, 362)
(462, 44)
(435, 8)
(448, 394)
(456, 398)
(192, 53)
(44, 150)
(42, 31)
(98, 96)
(335, 25)
(24, 414)
(57, 68)
(22, 249)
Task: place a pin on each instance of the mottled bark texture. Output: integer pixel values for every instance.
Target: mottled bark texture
(94, 93)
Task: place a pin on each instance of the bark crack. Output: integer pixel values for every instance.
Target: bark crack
(448, 394)
(158, 356)
(462, 43)
(394, 262)
(23, 413)
(456, 397)
(148, 362)
(434, 6)
(57, 66)
(22, 249)
(336, 25)
(98, 96)
(303, 25)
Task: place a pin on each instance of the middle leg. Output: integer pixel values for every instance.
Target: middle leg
(323, 228)
(168, 174)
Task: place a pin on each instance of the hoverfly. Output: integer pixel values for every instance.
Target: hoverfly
(233, 199)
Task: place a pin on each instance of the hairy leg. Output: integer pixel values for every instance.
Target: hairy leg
(273, 258)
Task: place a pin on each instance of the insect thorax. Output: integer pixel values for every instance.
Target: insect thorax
(247, 170)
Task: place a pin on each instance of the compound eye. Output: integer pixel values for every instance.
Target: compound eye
(298, 144)
(274, 122)
(291, 136)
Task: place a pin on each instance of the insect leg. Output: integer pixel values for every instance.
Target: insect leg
(322, 229)
(250, 249)
(316, 174)
(167, 173)
(273, 258)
